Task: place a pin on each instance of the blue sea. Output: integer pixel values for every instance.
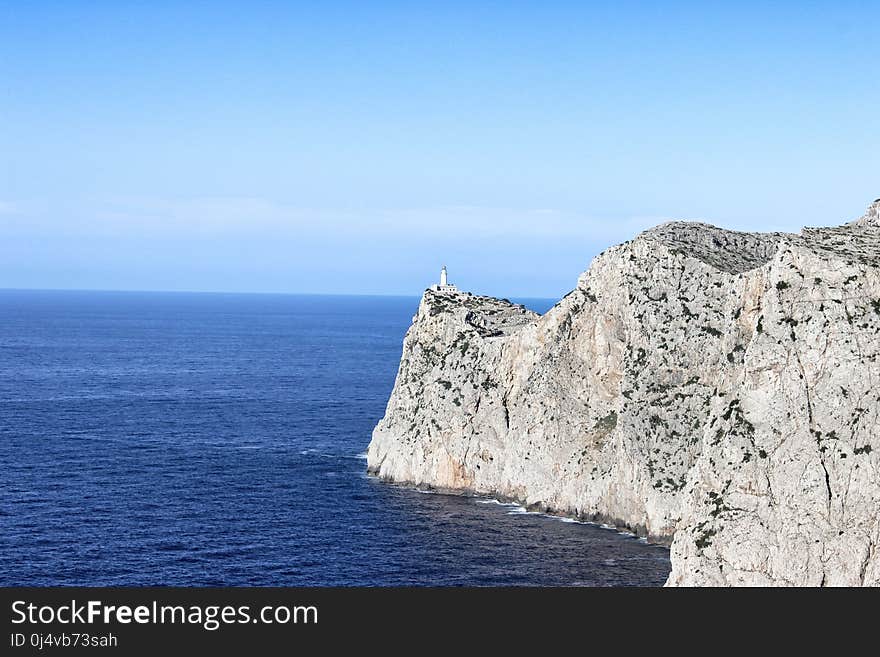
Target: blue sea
(219, 439)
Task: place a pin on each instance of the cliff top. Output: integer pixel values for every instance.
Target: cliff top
(737, 252)
(488, 316)
(730, 251)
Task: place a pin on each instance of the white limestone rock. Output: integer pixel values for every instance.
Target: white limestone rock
(719, 387)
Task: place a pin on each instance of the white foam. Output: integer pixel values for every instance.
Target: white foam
(498, 502)
(521, 510)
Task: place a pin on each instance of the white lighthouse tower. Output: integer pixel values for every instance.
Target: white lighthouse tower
(445, 285)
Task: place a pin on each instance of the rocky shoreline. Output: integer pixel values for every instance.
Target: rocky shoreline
(598, 519)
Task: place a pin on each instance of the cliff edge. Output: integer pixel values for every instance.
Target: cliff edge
(713, 388)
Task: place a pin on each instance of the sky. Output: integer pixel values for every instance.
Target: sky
(355, 147)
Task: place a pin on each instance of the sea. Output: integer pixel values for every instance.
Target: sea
(196, 439)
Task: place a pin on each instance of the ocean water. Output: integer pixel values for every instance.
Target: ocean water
(208, 439)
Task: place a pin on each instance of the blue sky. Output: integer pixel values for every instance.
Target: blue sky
(355, 147)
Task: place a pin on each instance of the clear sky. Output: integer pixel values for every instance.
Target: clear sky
(355, 147)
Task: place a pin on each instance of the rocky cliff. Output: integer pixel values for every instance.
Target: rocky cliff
(713, 388)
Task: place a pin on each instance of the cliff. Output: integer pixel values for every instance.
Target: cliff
(713, 388)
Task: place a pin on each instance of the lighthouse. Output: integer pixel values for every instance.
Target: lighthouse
(444, 285)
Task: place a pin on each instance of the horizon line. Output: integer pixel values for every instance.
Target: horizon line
(255, 293)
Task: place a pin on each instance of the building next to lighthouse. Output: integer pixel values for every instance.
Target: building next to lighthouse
(444, 285)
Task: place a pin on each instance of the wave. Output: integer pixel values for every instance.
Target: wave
(518, 509)
(522, 511)
(492, 500)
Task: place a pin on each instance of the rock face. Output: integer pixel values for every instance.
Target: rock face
(713, 388)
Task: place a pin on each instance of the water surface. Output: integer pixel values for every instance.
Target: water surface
(208, 439)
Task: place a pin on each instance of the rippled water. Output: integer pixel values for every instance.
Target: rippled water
(200, 439)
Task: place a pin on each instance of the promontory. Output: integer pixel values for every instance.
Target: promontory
(714, 389)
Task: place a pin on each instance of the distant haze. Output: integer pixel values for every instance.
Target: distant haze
(357, 147)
